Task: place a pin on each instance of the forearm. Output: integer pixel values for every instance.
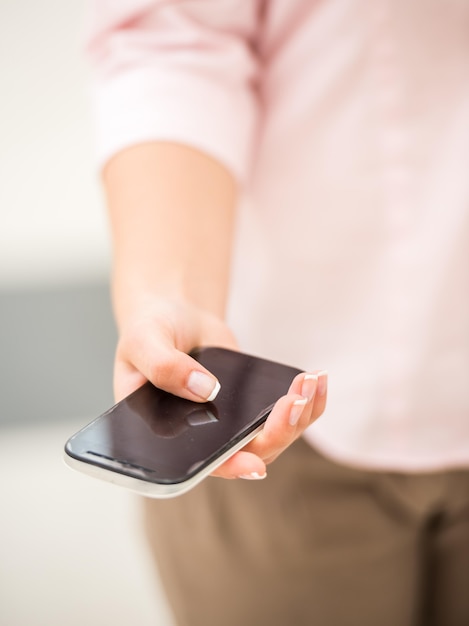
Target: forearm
(171, 212)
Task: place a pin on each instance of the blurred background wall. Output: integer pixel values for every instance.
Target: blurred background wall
(71, 548)
(56, 331)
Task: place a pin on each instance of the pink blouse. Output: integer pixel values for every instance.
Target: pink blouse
(347, 124)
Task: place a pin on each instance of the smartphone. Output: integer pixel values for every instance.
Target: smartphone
(160, 445)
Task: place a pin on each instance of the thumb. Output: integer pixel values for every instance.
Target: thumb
(157, 359)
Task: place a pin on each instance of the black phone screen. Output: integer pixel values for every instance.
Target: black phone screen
(154, 435)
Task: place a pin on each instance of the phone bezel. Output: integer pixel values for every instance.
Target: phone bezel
(152, 489)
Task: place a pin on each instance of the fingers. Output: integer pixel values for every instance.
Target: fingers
(242, 465)
(291, 415)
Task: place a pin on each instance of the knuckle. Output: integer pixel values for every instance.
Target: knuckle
(163, 371)
(129, 342)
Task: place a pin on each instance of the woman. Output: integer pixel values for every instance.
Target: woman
(291, 178)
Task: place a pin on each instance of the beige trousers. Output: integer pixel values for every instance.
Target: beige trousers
(317, 544)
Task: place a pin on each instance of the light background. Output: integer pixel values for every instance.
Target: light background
(71, 550)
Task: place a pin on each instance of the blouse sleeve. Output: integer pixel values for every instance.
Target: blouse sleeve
(181, 70)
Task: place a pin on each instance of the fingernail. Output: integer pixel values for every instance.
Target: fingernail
(297, 410)
(322, 382)
(308, 388)
(202, 385)
(253, 476)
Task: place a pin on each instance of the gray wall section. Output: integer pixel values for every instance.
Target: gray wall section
(56, 353)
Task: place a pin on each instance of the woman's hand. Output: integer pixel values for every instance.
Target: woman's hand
(153, 345)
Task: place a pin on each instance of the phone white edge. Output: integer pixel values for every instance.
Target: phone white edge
(158, 490)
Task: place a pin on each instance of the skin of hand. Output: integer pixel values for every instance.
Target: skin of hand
(172, 249)
(155, 345)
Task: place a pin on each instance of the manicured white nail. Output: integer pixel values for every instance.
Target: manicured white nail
(297, 410)
(215, 391)
(322, 382)
(253, 476)
(308, 388)
(203, 385)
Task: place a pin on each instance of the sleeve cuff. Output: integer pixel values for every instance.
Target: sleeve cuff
(143, 105)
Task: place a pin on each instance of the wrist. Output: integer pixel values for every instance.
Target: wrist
(138, 299)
